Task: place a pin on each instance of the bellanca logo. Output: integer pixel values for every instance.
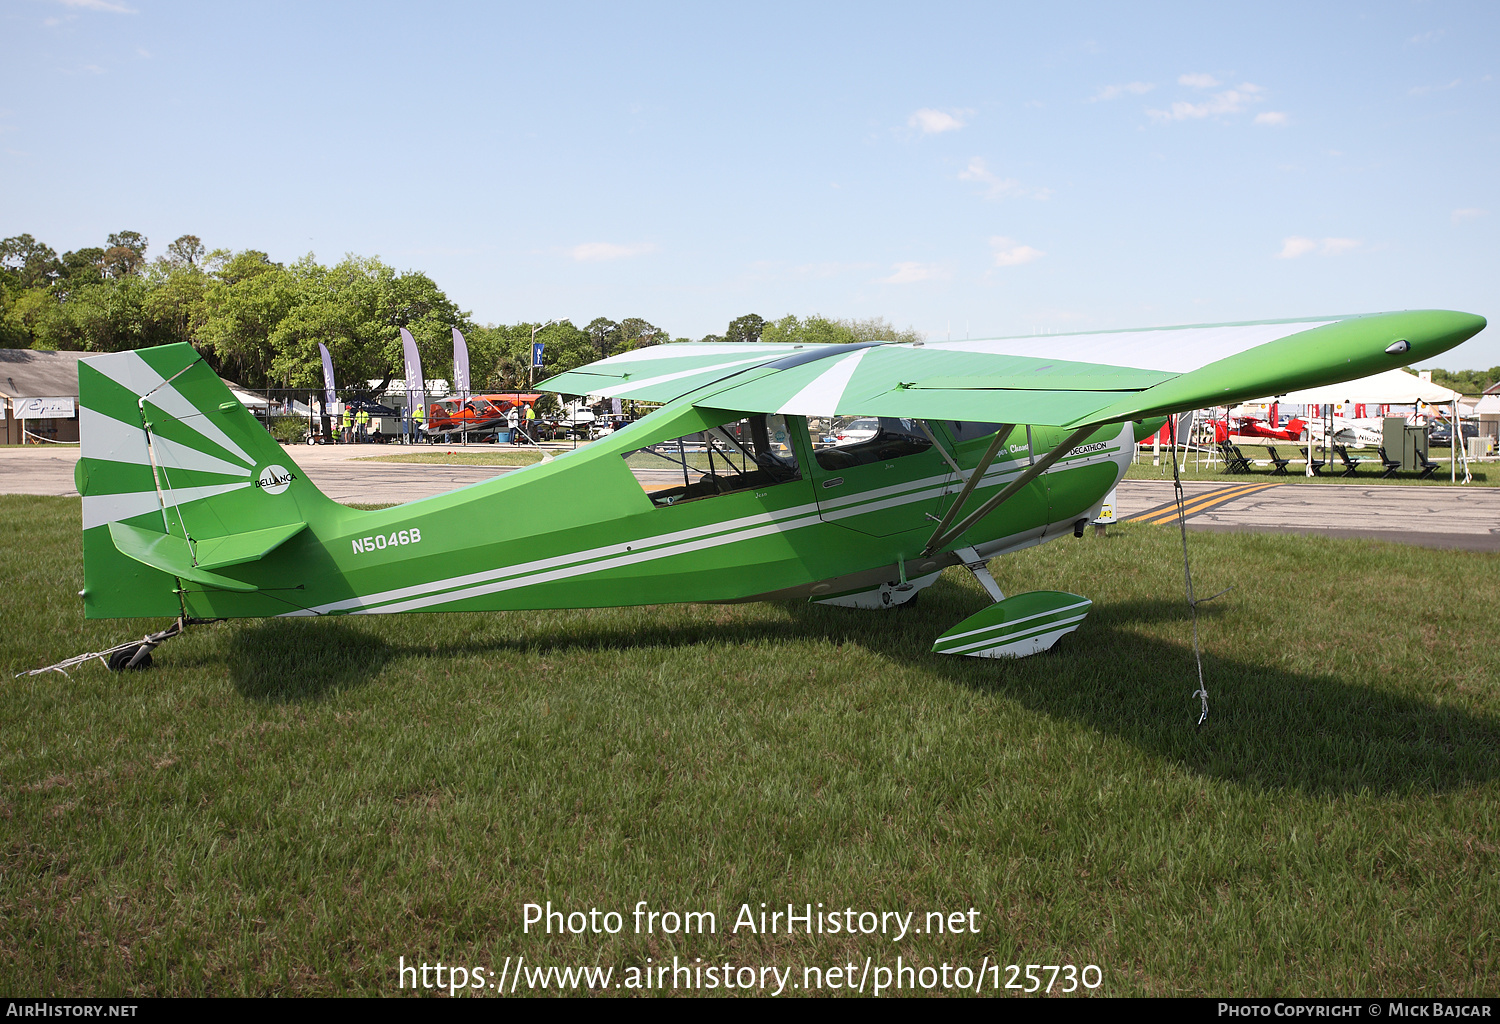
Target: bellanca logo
(274, 479)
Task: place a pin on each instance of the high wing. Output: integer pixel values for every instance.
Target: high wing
(662, 373)
(1055, 380)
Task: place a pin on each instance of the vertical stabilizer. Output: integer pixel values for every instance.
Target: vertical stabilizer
(168, 450)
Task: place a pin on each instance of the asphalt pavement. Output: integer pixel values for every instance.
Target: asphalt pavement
(1428, 516)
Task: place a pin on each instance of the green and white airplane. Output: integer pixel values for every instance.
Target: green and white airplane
(192, 510)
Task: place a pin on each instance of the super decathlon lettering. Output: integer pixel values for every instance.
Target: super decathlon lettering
(666, 545)
(380, 541)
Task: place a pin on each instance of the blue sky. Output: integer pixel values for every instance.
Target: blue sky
(977, 170)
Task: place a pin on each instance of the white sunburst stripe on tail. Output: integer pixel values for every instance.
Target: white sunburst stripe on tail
(110, 440)
(100, 509)
(173, 455)
(133, 373)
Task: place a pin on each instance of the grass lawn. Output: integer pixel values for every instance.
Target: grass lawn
(288, 806)
(1486, 474)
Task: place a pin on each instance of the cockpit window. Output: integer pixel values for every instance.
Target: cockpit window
(751, 453)
(868, 440)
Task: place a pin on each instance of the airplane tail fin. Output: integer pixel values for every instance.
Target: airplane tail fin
(180, 483)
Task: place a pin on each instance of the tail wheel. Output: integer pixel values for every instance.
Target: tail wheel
(120, 660)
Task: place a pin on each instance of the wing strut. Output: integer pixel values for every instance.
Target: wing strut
(939, 538)
(941, 450)
(969, 484)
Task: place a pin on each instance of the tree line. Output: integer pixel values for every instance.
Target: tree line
(259, 322)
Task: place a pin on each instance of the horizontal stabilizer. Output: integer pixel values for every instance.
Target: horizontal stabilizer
(173, 556)
(217, 552)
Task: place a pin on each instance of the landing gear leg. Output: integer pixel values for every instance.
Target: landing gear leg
(981, 570)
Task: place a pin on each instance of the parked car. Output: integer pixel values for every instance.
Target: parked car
(1441, 435)
(856, 431)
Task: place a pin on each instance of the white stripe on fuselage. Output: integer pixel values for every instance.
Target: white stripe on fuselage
(666, 545)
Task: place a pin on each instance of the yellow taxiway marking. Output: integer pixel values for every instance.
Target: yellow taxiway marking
(1167, 513)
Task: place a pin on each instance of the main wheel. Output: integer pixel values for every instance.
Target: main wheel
(120, 660)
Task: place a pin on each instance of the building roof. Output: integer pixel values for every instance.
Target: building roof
(28, 373)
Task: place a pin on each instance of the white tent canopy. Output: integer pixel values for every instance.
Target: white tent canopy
(1392, 387)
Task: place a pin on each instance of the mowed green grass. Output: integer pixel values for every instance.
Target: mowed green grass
(1196, 467)
(289, 806)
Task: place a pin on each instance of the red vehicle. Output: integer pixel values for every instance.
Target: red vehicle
(481, 414)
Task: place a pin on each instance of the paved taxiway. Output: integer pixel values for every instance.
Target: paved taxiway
(1442, 517)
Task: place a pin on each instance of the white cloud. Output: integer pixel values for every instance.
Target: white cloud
(1295, 245)
(1427, 90)
(1114, 92)
(1276, 117)
(98, 5)
(931, 122)
(826, 270)
(910, 273)
(1230, 101)
(997, 187)
(1427, 37)
(1198, 81)
(1468, 213)
(1010, 253)
(594, 252)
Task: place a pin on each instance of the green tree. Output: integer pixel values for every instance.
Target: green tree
(357, 309)
(124, 254)
(244, 302)
(745, 328)
(638, 333)
(175, 300)
(819, 330)
(82, 266)
(604, 335)
(1468, 382)
(34, 264)
(187, 249)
